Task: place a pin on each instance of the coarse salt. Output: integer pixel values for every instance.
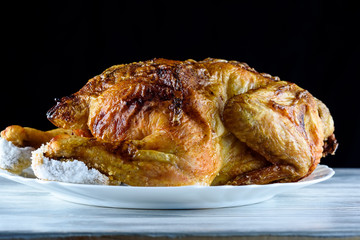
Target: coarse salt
(14, 158)
(71, 171)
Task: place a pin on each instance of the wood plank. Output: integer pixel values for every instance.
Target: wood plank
(327, 209)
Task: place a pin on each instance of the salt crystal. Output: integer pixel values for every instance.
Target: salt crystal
(71, 171)
(13, 158)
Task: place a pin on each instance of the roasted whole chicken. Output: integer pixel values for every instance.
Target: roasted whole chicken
(172, 123)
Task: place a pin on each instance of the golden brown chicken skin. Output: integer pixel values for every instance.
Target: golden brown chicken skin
(281, 122)
(172, 123)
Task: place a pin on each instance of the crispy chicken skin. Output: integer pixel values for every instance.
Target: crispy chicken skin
(281, 122)
(170, 123)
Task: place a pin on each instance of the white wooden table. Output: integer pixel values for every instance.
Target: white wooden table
(329, 209)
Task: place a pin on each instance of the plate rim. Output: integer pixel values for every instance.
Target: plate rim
(176, 197)
(22, 179)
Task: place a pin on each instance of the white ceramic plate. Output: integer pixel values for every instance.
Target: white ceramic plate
(186, 197)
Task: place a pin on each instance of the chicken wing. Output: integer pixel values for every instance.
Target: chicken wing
(281, 122)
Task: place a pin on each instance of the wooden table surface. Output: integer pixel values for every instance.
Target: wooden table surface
(329, 209)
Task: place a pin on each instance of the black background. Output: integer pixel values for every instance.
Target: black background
(51, 49)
